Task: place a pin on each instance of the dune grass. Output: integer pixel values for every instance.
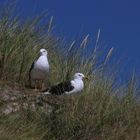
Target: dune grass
(105, 109)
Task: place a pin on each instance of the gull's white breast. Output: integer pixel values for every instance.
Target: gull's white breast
(78, 86)
(41, 68)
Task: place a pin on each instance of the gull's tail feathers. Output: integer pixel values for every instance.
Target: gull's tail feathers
(46, 91)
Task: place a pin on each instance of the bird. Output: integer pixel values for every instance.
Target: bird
(39, 69)
(68, 87)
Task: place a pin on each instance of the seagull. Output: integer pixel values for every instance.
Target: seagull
(68, 87)
(39, 69)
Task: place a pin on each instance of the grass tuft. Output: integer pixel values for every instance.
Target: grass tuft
(105, 109)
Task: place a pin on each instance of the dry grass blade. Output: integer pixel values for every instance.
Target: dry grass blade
(108, 55)
(71, 46)
(97, 40)
(50, 24)
(84, 42)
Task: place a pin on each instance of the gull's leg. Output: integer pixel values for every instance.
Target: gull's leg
(37, 85)
(42, 85)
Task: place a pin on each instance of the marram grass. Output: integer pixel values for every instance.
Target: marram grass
(105, 110)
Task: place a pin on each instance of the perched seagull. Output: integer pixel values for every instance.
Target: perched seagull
(69, 87)
(39, 69)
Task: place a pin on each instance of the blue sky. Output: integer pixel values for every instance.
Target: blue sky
(119, 21)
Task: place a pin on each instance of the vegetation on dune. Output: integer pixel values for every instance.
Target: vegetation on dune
(104, 110)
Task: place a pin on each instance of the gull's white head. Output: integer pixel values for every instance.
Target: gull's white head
(43, 52)
(79, 76)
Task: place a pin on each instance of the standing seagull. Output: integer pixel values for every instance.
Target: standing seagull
(69, 87)
(39, 69)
